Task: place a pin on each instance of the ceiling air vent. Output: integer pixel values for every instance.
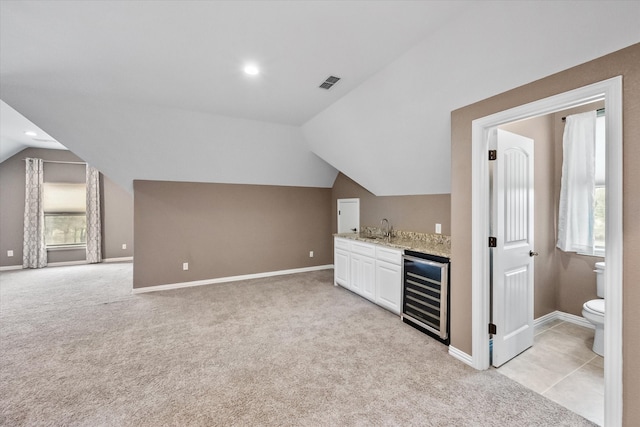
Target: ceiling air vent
(329, 82)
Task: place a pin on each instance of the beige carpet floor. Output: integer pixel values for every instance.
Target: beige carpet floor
(77, 349)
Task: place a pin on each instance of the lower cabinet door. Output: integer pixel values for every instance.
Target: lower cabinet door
(363, 276)
(341, 267)
(388, 285)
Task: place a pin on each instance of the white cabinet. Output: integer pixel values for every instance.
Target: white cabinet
(363, 275)
(388, 285)
(341, 262)
(370, 270)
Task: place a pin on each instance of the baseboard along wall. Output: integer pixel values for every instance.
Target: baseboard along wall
(537, 323)
(66, 263)
(228, 279)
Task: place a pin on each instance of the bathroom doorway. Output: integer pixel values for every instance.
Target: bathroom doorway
(560, 363)
(610, 91)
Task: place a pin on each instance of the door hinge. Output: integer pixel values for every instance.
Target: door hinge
(492, 329)
(493, 242)
(493, 154)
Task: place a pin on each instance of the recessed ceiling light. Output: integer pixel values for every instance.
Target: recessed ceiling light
(30, 133)
(252, 70)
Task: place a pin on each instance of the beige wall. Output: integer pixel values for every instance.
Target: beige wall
(225, 230)
(624, 62)
(116, 207)
(408, 213)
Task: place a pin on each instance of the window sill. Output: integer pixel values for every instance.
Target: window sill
(66, 248)
(596, 253)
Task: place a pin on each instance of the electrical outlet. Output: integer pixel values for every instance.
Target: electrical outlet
(9, 252)
(124, 246)
(185, 266)
(310, 254)
(438, 228)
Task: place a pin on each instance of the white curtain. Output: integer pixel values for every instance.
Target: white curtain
(34, 252)
(575, 216)
(94, 232)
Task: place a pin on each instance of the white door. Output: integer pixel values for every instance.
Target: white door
(348, 215)
(512, 203)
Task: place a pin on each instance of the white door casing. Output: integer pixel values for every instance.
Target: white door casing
(611, 91)
(348, 215)
(513, 228)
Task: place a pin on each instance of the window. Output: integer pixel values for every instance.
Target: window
(599, 219)
(65, 220)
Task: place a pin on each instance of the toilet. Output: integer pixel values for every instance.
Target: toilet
(593, 311)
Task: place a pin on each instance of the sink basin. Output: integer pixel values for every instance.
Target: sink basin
(371, 236)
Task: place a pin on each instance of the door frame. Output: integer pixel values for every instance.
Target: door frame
(610, 91)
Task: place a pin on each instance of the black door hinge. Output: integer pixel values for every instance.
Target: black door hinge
(493, 242)
(493, 154)
(492, 329)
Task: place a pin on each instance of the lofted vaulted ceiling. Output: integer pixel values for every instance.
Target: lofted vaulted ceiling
(155, 89)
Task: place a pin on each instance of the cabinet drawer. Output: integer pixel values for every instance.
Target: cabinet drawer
(341, 244)
(363, 249)
(393, 256)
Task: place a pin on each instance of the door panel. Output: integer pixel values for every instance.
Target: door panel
(512, 274)
(388, 285)
(348, 215)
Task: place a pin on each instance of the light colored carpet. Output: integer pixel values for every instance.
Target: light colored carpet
(78, 349)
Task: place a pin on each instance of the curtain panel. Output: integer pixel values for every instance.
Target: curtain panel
(577, 188)
(94, 232)
(34, 252)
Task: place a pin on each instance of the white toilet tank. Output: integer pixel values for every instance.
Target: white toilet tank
(600, 278)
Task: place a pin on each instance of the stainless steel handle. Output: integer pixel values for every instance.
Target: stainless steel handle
(531, 253)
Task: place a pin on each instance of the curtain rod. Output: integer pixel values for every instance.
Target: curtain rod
(598, 112)
(61, 162)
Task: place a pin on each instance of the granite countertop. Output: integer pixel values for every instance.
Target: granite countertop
(432, 244)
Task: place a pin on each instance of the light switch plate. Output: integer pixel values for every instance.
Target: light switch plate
(9, 252)
(438, 228)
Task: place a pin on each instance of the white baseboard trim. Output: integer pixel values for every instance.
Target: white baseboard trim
(50, 264)
(576, 320)
(540, 321)
(121, 259)
(64, 263)
(229, 279)
(547, 318)
(562, 316)
(460, 355)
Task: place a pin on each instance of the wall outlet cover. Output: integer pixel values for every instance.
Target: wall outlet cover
(185, 266)
(124, 246)
(438, 228)
(310, 254)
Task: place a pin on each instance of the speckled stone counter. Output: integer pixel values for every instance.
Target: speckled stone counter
(432, 244)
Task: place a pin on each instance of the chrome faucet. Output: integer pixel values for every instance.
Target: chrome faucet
(386, 233)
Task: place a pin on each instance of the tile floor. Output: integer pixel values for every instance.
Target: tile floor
(562, 367)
